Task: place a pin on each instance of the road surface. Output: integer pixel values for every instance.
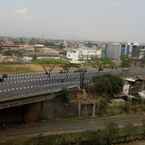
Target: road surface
(25, 85)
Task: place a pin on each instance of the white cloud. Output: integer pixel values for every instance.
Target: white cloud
(23, 11)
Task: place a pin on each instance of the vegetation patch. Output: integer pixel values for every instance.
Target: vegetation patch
(112, 134)
(108, 85)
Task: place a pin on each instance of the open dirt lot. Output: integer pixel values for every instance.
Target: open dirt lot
(22, 68)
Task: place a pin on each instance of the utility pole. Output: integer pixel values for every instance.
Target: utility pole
(82, 79)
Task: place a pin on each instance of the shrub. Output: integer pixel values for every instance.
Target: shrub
(108, 85)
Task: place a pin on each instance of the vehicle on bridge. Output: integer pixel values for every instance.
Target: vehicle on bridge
(3, 77)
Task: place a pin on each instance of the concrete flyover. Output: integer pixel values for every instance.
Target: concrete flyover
(21, 89)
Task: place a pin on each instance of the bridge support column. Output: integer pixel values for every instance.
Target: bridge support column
(94, 110)
(42, 112)
(82, 78)
(79, 108)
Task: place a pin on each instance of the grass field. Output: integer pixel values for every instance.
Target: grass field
(20, 68)
(24, 68)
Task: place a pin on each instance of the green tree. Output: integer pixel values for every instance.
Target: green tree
(96, 63)
(108, 85)
(127, 107)
(101, 105)
(50, 61)
(66, 67)
(107, 62)
(48, 68)
(125, 61)
(65, 96)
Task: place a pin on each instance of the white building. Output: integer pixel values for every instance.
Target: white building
(27, 59)
(126, 88)
(38, 46)
(82, 54)
(73, 55)
(142, 53)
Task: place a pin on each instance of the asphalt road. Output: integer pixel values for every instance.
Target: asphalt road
(22, 85)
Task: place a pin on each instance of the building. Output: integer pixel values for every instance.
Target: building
(103, 48)
(142, 52)
(71, 44)
(124, 49)
(83, 54)
(73, 55)
(89, 51)
(114, 51)
(47, 53)
(27, 59)
(133, 85)
(135, 50)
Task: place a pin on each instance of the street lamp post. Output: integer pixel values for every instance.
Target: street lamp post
(82, 79)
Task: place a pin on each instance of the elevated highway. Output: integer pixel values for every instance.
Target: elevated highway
(20, 89)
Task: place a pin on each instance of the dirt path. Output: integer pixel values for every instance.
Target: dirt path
(53, 127)
(135, 143)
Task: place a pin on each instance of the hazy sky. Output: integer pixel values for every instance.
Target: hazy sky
(74, 19)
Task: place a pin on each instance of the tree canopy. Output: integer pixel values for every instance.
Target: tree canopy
(50, 61)
(125, 61)
(108, 85)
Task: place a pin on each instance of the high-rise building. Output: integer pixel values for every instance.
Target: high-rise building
(114, 51)
(133, 50)
(124, 49)
(104, 50)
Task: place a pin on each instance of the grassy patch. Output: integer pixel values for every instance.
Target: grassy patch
(19, 68)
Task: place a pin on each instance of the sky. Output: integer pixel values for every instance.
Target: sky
(105, 20)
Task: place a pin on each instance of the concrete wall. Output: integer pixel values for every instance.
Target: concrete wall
(57, 109)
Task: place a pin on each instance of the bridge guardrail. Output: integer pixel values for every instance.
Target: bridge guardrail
(34, 84)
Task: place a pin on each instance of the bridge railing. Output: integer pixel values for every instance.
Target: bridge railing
(40, 83)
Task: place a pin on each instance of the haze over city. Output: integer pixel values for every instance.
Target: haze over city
(113, 20)
(72, 72)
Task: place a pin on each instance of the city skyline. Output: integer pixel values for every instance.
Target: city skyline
(111, 20)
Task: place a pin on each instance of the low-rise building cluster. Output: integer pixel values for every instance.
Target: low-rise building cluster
(22, 50)
(112, 50)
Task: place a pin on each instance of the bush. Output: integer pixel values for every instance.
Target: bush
(125, 61)
(102, 105)
(116, 107)
(108, 85)
(65, 96)
(51, 61)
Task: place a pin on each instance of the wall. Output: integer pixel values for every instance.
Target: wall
(57, 109)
